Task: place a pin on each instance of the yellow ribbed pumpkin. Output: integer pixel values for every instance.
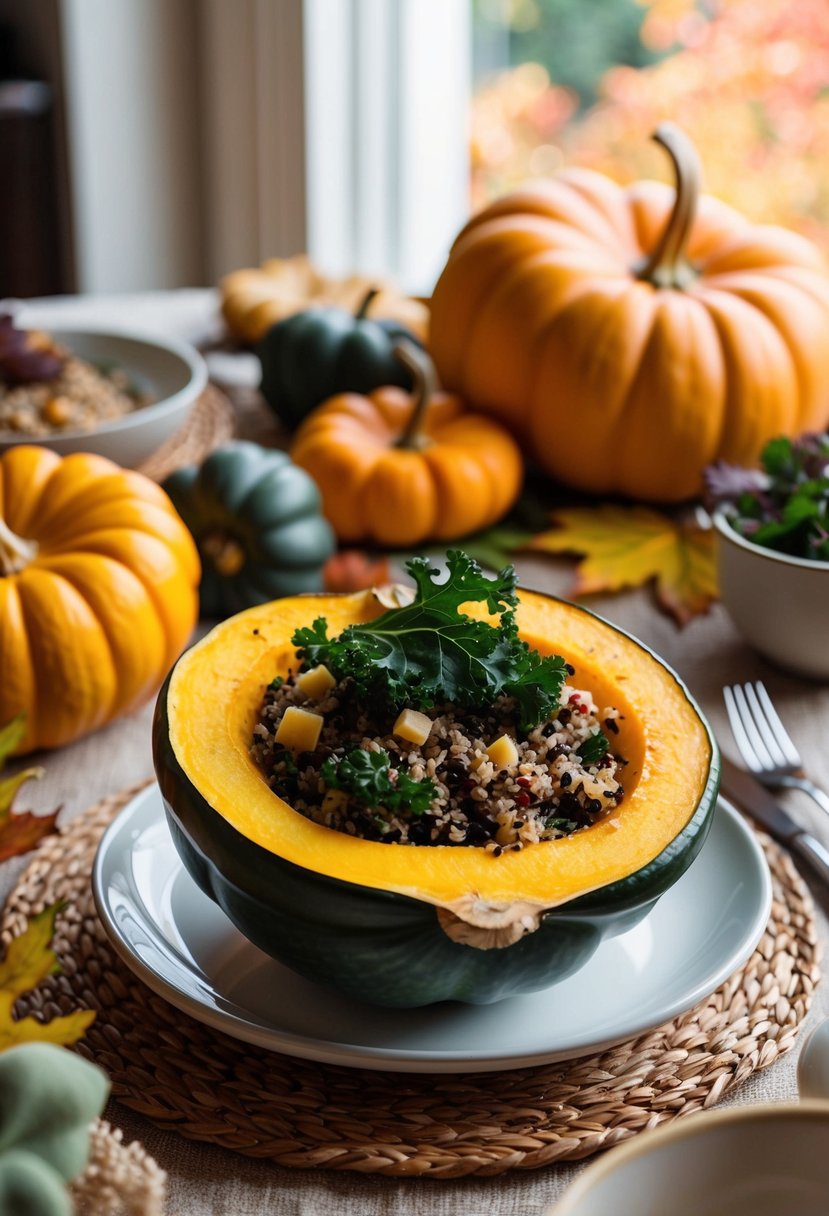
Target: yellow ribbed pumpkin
(256, 298)
(98, 591)
(629, 337)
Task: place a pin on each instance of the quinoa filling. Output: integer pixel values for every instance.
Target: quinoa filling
(45, 389)
(477, 778)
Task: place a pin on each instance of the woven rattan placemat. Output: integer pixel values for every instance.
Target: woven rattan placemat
(207, 1086)
(210, 423)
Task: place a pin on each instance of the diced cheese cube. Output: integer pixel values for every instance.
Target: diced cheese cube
(316, 682)
(503, 753)
(299, 730)
(334, 800)
(412, 726)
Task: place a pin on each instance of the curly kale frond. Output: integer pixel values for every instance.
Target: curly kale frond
(428, 652)
(367, 778)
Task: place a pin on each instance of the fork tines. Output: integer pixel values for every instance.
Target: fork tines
(760, 735)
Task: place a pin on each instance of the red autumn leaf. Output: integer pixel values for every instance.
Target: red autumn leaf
(23, 830)
(20, 831)
(354, 570)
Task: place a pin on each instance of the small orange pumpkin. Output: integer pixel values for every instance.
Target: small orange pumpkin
(630, 337)
(98, 591)
(400, 469)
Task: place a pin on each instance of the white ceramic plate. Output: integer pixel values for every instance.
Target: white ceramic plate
(183, 947)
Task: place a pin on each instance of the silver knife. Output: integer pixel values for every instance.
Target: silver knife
(760, 804)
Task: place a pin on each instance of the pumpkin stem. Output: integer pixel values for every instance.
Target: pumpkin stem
(15, 552)
(224, 552)
(667, 265)
(425, 386)
(362, 311)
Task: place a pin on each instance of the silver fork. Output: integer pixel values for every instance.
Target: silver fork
(764, 743)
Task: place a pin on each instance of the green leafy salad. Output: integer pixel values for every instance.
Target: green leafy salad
(784, 505)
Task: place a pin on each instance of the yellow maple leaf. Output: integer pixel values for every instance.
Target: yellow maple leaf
(629, 546)
(28, 960)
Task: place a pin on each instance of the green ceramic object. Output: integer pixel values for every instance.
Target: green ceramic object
(315, 354)
(48, 1098)
(30, 1187)
(256, 519)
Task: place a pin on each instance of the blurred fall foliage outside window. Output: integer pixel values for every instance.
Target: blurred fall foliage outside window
(590, 80)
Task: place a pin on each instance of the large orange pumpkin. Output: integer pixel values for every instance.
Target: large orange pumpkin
(98, 591)
(630, 337)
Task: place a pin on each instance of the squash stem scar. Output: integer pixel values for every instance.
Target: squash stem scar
(15, 552)
(225, 552)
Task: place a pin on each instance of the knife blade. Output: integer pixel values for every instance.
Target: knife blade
(758, 802)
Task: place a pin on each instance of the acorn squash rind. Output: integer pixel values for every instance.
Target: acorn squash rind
(387, 945)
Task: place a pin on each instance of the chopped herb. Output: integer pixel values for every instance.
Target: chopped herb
(592, 750)
(429, 651)
(276, 683)
(560, 825)
(366, 777)
(287, 758)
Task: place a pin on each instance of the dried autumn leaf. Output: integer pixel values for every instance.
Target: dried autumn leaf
(10, 735)
(20, 831)
(30, 959)
(629, 546)
(354, 570)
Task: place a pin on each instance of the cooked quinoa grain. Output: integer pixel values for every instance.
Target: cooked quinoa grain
(79, 398)
(549, 790)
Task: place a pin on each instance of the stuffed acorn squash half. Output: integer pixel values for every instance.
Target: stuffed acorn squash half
(491, 824)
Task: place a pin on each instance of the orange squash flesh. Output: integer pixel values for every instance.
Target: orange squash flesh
(214, 698)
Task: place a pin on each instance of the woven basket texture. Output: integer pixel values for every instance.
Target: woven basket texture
(206, 1086)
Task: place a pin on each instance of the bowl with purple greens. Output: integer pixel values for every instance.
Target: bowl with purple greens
(772, 527)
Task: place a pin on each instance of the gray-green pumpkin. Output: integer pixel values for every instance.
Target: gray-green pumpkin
(256, 519)
(48, 1099)
(319, 352)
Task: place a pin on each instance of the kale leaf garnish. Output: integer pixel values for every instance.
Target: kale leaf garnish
(366, 777)
(428, 652)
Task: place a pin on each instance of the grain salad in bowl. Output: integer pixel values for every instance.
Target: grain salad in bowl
(45, 389)
(452, 794)
(115, 394)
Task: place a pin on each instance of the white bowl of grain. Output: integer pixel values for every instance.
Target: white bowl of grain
(164, 378)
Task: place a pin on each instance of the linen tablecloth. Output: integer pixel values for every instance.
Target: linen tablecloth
(207, 1181)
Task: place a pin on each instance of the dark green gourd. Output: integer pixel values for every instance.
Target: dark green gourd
(315, 354)
(256, 519)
